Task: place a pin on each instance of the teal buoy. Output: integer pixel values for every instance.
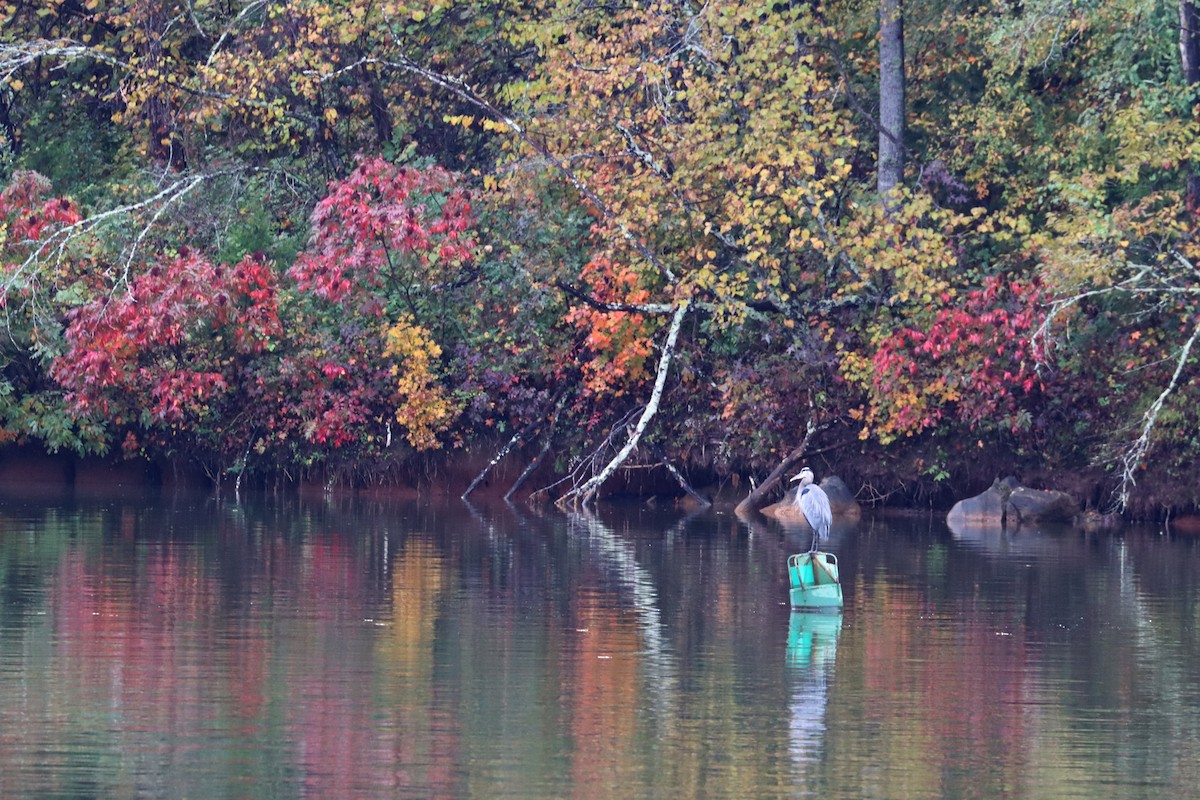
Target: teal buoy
(814, 580)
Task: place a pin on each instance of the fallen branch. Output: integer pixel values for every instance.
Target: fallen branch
(516, 438)
(1134, 455)
(757, 498)
(530, 468)
(524, 435)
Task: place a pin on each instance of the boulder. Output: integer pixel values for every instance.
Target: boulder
(841, 503)
(841, 499)
(1188, 525)
(987, 508)
(1006, 502)
(1038, 505)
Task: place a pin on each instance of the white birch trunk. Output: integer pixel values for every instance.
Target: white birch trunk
(585, 493)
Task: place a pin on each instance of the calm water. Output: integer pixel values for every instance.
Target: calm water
(200, 649)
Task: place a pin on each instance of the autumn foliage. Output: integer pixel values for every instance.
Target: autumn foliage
(167, 352)
(381, 225)
(343, 234)
(30, 210)
(618, 341)
(226, 360)
(976, 362)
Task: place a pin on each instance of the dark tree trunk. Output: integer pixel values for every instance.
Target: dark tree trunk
(162, 143)
(891, 95)
(381, 117)
(1189, 55)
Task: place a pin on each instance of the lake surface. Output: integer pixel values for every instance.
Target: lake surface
(193, 648)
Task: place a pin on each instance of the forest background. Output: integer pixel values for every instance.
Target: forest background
(921, 244)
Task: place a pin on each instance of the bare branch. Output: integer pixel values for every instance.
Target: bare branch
(1134, 455)
(56, 244)
(600, 305)
(14, 57)
(642, 154)
(230, 30)
(1147, 281)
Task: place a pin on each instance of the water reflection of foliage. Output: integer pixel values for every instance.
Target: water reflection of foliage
(319, 647)
(1025, 660)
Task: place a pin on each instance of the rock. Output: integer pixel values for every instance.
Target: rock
(785, 510)
(1038, 505)
(1188, 525)
(1007, 502)
(987, 508)
(841, 499)
(841, 503)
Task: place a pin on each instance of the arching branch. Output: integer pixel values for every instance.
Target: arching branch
(1136, 452)
(1155, 286)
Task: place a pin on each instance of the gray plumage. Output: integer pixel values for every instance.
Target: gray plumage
(814, 504)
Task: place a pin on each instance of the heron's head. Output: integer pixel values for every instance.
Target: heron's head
(805, 476)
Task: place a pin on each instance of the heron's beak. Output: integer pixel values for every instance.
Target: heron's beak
(793, 479)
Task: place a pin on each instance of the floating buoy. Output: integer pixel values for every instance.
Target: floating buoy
(814, 580)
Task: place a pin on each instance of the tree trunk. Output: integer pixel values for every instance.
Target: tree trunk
(162, 143)
(585, 494)
(1189, 59)
(891, 95)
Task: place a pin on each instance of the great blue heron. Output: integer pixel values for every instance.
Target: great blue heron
(814, 504)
